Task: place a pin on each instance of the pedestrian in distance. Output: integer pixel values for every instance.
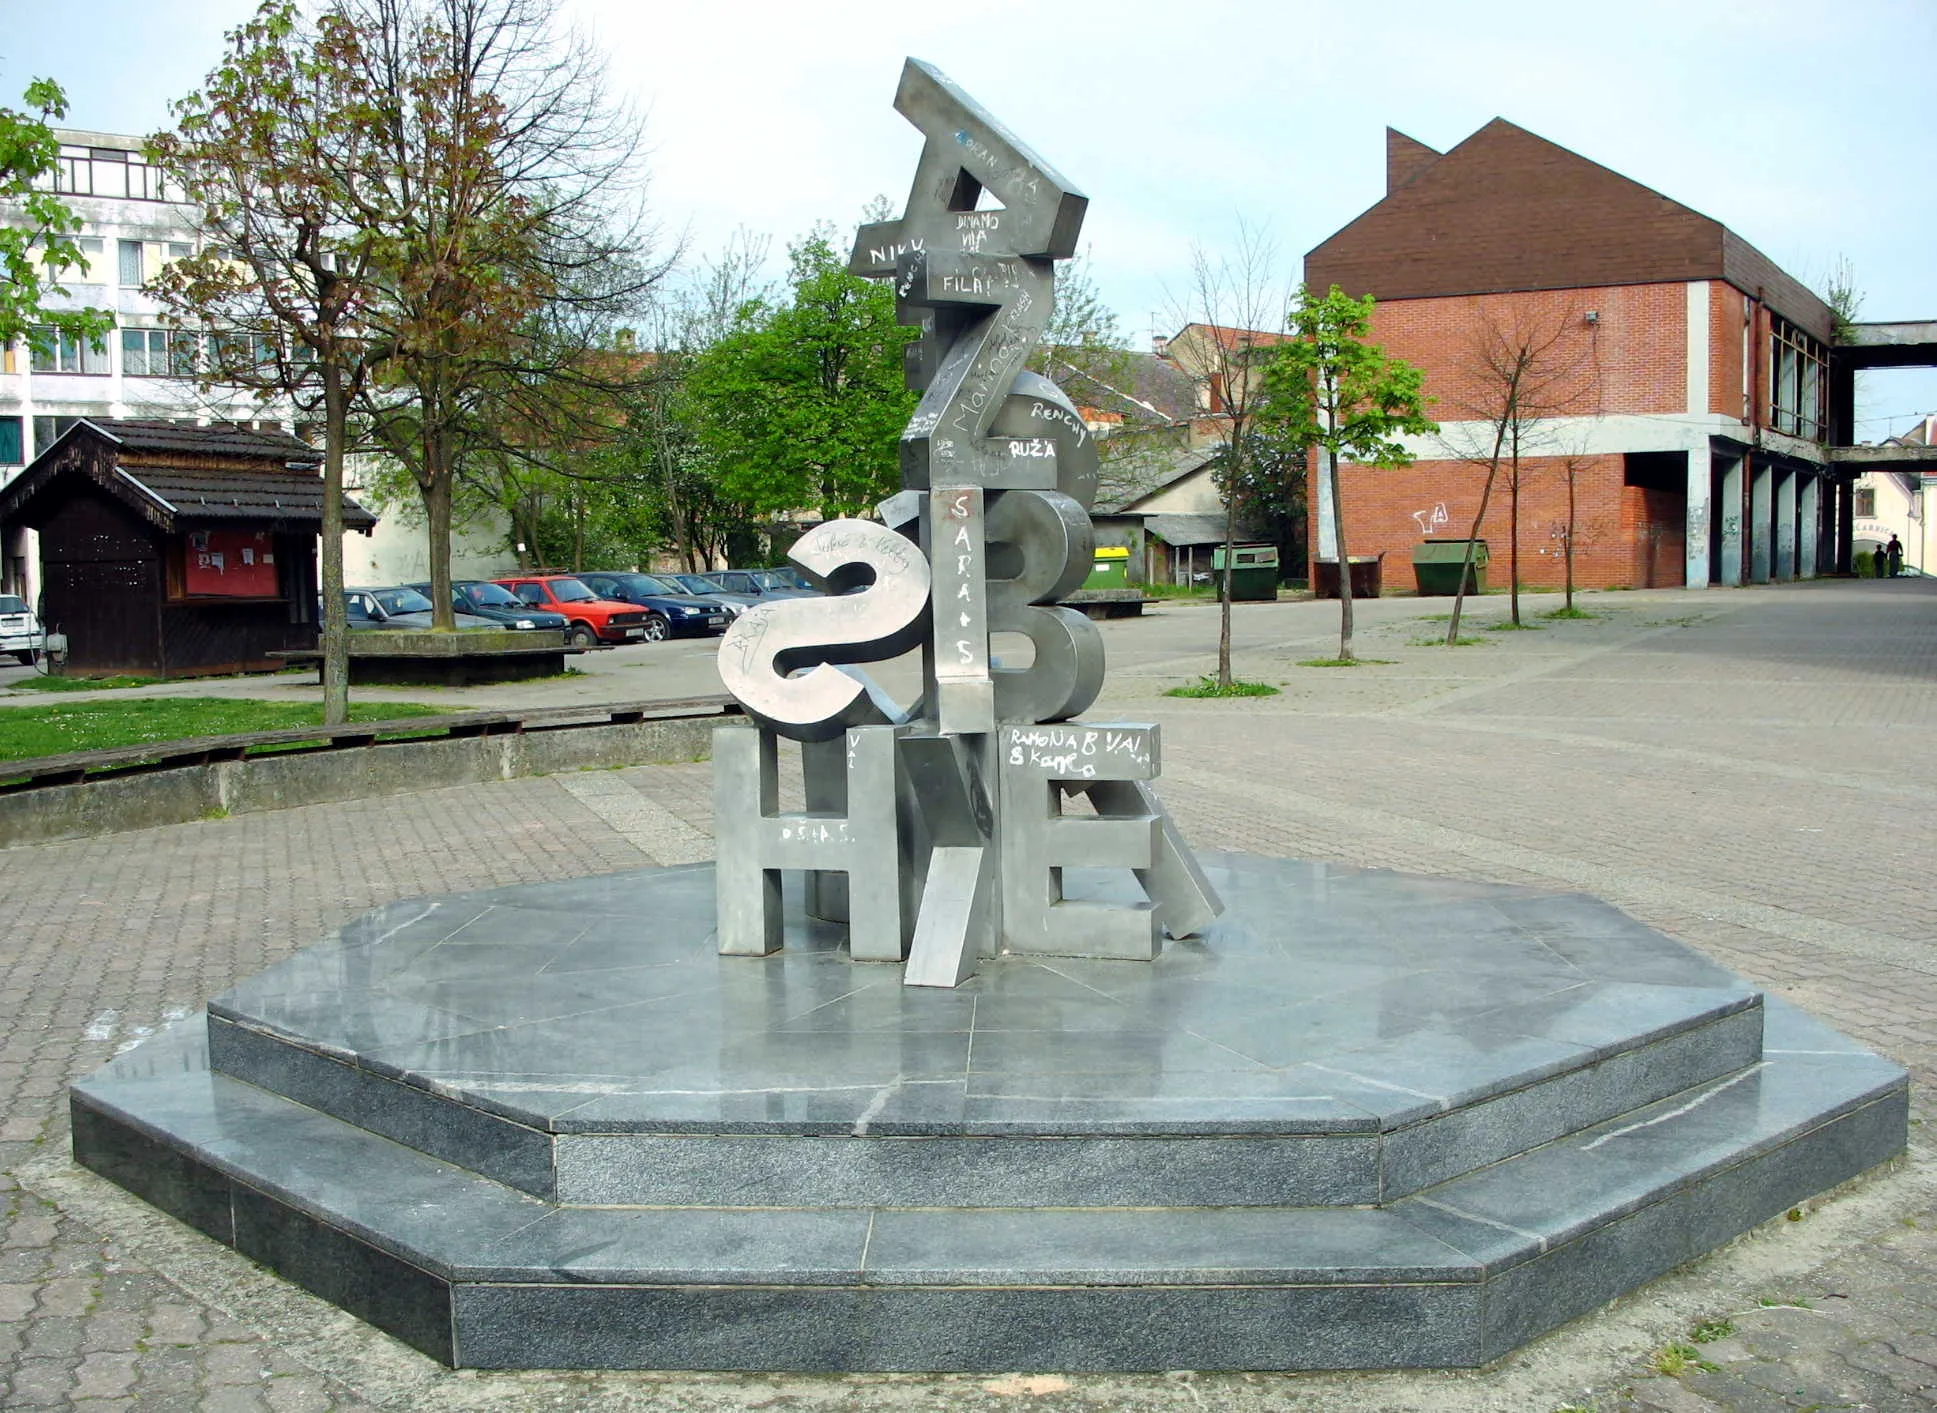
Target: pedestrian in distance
(1879, 562)
(1895, 552)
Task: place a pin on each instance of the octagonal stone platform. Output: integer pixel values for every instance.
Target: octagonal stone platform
(1368, 1120)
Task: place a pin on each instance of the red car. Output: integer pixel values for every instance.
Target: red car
(591, 618)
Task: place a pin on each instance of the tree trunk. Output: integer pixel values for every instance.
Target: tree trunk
(437, 516)
(1513, 535)
(1344, 560)
(435, 484)
(1472, 537)
(1224, 608)
(1568, 548)
(335, 625)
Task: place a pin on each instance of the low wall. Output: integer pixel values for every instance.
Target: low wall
(144, 800)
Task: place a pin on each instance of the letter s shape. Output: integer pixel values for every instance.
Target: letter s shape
(769, 644)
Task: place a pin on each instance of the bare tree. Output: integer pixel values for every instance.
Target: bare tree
(510, 206)
(1231, 322)
(1571, 533)
(1522, 371)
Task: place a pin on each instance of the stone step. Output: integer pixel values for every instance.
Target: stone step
(1357, 1138)
(476, 1274)
(1349, 1036)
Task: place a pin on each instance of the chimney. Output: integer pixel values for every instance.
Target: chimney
(1405, 159)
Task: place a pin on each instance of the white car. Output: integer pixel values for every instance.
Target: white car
(20, 631)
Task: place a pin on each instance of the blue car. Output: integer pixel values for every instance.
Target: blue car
(765, 584)
(675, 614)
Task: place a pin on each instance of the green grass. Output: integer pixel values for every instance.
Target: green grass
(80, 684)
(1509, 626)
(27, 732)
(1675, 1360)
(1462, 641)
(1708, 1331)
(1177, 591)
(1207, 687)
(1569, 613)
(1344, 662)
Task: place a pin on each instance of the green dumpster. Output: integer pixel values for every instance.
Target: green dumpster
(1110, 569)
(1254, 572)
(1437, 563)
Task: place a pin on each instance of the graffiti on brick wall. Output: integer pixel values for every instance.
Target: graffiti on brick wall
(1431, 520)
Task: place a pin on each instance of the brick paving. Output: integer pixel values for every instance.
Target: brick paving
(1749, 771)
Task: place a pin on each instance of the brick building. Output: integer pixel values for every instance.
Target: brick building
(1672, 376)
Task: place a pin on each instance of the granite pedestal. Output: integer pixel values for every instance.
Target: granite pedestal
(1368, 1119)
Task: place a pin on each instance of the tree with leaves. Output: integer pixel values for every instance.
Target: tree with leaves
(270, 153)
(37, 244)
(1522, 372)
(1331, 390)
(1269, 490)
(801, 405)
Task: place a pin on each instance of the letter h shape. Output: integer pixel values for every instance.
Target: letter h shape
(756, 841)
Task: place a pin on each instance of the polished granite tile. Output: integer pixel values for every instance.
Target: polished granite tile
(1606, 1016)
(401, 1299)
(1485, 1129)
(1190, 1246)
(785, 1170)
(1452, 1276)
(556, 1003)
(705, 1245)
(899, 1106)
(471, 1137)
(1628, 1162)
(1098, 1328)
(149, 1167)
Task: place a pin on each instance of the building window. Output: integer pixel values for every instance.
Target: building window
(11, 448)
(158, 353)
(56, 352)
(111, 171)
(1865, 502)
(48, 430)
(243, 354)
(142, 261)
(1798, 381)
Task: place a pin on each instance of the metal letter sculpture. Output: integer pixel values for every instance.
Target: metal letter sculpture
(937, 832)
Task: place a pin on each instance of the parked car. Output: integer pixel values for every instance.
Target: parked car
(591, 619)
(20, 631)
(483, 599)
(398, 608)
(684, 614)
(704, 587)
(766, 583)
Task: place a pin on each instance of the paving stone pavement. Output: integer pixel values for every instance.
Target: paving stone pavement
(1747, 770)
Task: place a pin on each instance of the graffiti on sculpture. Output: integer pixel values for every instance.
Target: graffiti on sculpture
(935, 830)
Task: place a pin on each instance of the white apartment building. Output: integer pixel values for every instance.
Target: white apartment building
(133, 223)
(1901, 503)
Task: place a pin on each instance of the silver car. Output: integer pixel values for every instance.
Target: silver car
(398, 608)
(20, 631)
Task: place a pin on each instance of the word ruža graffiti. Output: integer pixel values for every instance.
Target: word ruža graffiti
(935, 830)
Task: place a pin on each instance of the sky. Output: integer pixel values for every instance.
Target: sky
(1803, 125)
